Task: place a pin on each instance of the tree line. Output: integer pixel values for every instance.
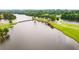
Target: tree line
(7, 16)
(70, 15)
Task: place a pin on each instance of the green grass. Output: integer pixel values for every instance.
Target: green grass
(68, 30)
(71, 30)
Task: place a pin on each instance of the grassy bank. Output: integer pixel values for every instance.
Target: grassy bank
(71, 30)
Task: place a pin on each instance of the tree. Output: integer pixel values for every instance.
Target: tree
(57, 18)
(70, 16)
(9, 17)
(52, 17)
(1, 16)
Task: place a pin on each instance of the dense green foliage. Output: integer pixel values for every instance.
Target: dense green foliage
(4, 28)
(7, 16)
(70, 16)
(52, 17)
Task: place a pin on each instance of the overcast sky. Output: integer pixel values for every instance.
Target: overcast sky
(39, 4)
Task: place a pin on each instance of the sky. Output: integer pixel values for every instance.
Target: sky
(39, 4)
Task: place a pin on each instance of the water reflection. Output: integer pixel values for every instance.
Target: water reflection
(4, 38)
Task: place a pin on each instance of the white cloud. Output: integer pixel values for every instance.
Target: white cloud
(39, 4)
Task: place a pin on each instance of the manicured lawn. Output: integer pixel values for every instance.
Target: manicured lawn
(71, 30)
